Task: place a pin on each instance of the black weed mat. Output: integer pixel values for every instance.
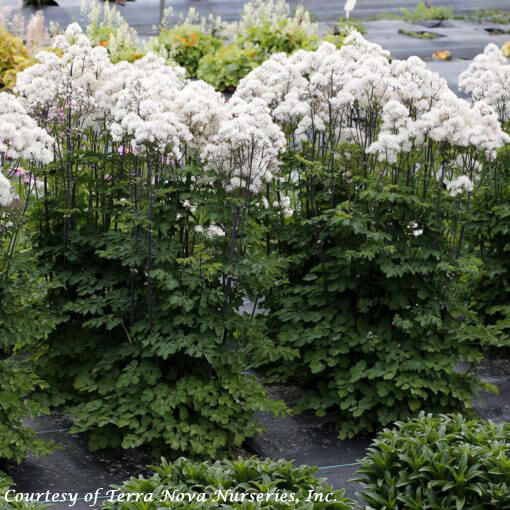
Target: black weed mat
(74, 468)
(306, 439)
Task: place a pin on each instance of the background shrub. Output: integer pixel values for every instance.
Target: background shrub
(185, 45)
(225, 68)
(444, 461)
(241, 476)
(14, 57)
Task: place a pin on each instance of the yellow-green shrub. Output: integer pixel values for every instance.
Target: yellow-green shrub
(14, 57)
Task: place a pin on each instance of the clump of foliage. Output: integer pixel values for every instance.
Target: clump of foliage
(225, 68)
(17, 381)
(443, 461)
(370, 313)
(419, 35)
(185, 45)
(424, 13)
(14, 57)
(271, 38)
(498, 16)
(233, 484)
(223, 53)
(489, 231)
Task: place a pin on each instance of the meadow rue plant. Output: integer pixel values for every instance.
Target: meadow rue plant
(23, 315)
(373, 146)
(486, 79)
(136, 205)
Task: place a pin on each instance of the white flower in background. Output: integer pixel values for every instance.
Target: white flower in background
(458, 185)
(349, 7)
(6, 196)
(20, 137)
(187, 205)
(283, 203)
(274, 13)
(488, 79)
(244, 153)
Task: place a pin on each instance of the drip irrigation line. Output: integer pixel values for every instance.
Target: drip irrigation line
(340, 465)
(54, 430)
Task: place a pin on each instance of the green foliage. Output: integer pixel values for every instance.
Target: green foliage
(17, 381)
(154, 351)
(224, 68)
(185, 45)
(424, 13)
(5, 485)
(269, 38)
(14, 57)
(498, 16)
(370, 312)
(489, 232)
(244, 478)
(108, 28)
(441, 461)
(24, 320)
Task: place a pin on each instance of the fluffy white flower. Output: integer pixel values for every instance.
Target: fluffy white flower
(68, 82)
(214, 231)
(458, 185)
(488, 79)
(244, 153)
(20, 137)
(5, 191)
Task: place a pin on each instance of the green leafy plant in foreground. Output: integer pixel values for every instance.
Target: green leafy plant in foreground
(444, 461)
(241, 478)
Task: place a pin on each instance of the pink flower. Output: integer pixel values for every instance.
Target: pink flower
(20, 171)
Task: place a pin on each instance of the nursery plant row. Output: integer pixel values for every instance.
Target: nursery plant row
(355, 195)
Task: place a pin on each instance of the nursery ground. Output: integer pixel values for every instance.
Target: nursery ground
(305, 439)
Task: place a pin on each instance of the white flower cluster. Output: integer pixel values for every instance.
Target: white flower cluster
(150, 106)
(139, 102)
(69, 81)
(245, 151)
(20, 137)
(6, 196)
(459, 184)
(284, 204)
(211, 231)
(488, 79)
(356, 94)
